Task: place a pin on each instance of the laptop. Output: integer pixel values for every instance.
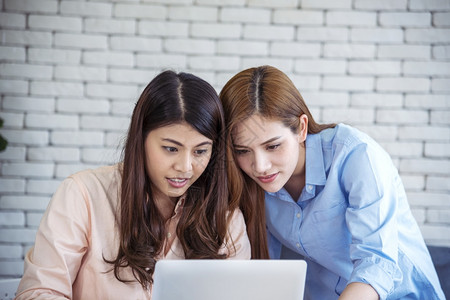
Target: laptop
(229, 279)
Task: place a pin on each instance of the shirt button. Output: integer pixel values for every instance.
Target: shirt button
(298, 245)
(298, 215)
(309, 187)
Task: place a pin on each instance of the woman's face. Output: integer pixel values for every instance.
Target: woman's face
(269, 152)
(176, 156)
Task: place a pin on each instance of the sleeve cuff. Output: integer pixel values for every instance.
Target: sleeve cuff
(379, 273)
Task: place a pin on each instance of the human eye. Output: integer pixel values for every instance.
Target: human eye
(273, 147)
(170, 149)
(241, 151)
(200, 152)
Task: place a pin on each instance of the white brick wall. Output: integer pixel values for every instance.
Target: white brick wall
(70, 72)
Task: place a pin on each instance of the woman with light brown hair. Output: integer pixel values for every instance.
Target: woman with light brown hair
(105, 229)
(326, 193)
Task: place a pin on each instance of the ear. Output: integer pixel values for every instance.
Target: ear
(303, 128)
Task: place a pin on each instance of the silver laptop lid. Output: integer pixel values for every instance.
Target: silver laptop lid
(229, 279)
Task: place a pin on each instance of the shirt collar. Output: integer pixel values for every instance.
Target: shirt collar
(314, 162)
(179, 206)
(314, 168)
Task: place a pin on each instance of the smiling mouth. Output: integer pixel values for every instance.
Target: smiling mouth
(269, 178)
(177, 182)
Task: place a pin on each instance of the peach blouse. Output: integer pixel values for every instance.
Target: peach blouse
(79, 229)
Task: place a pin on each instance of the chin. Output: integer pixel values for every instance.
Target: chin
(176, 193)
(270, 189)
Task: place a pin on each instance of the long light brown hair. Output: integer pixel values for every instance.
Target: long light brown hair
(172, 98)
(270, 93)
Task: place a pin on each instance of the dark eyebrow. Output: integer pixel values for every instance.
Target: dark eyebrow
(262, 144)
(271, 140)
(180, 144)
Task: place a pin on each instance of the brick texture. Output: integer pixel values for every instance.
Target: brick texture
(70, 72)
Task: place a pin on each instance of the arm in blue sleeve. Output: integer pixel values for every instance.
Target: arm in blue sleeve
(368, 178)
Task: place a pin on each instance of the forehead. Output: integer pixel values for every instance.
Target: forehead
(256, 130)
(180, 132)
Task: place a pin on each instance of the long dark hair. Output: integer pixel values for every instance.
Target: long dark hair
(172, 98)
(268, 92)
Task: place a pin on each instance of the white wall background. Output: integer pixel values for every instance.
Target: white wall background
(71, 71)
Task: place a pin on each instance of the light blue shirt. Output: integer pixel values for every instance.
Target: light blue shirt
(352, 222)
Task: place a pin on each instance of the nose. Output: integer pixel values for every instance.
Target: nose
(184, 163)
(261, 163)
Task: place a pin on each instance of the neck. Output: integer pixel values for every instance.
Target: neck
(295, 185)
(165, 204)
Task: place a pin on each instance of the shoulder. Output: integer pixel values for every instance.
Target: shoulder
(348, 149)
(350, 136)
(238, 244)
(349, 139)
(95, 186)
(236, 217)
(101, 176)
(361, 158)
(236, 222)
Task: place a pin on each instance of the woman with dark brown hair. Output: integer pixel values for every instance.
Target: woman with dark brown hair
(105, 229)
(325, 193)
